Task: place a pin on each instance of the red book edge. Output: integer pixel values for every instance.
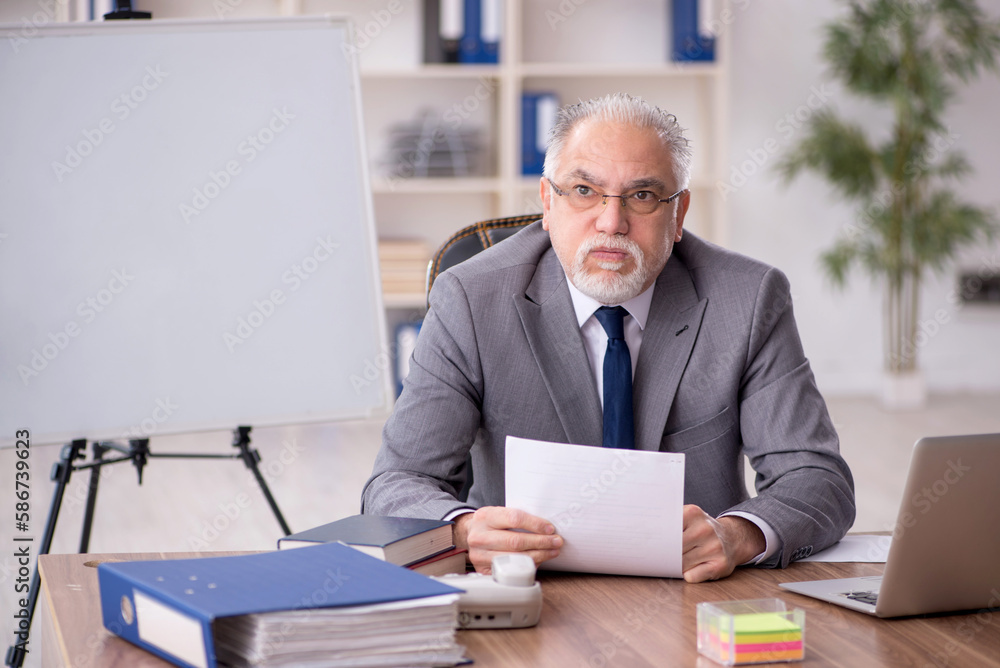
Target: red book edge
(437, 557)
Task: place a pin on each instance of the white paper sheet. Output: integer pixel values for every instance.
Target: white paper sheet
(870, 549)
(619, 511)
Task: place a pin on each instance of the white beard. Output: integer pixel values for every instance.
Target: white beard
(609, 287)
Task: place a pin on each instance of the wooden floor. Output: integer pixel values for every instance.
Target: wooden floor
(316, 474)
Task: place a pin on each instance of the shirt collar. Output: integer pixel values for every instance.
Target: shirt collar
(585, 306)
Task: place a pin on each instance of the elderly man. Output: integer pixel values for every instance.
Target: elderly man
(702, 356)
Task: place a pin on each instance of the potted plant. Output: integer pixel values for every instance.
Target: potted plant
(905, 56)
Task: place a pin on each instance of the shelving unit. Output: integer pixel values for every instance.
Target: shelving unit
(599, 47)
(576, 49)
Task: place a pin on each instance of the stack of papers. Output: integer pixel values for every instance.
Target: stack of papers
(855, 549)
(429, 147)
(602, 502)
(403, 265)
(404, 633)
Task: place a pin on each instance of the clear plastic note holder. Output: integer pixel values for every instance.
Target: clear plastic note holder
(755, 631)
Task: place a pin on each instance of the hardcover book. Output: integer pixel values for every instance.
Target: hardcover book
(399, 540)
(451, 561)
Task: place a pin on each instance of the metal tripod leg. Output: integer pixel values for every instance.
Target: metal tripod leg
(61, 473)
(95, 477)
(241, 440)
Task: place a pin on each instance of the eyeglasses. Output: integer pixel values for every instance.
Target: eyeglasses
(642, 202)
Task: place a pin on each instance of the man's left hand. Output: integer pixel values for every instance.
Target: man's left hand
(713, 548)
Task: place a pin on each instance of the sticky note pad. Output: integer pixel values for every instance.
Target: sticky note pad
(756, 631)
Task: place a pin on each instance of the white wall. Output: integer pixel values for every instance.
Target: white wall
(776, 70)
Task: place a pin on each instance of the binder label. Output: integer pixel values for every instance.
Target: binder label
(548, 106)
(169, 630)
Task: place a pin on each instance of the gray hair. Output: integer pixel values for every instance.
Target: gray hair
(626, 109)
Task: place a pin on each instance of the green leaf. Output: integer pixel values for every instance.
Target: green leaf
(945, 225)
(838, 260)
(952, 166)
(837, 150)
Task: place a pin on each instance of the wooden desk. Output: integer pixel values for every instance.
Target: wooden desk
(587, 621)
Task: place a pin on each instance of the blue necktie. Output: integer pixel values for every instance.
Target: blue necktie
(619, 431)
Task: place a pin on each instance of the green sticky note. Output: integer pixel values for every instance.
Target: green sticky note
(763, 622)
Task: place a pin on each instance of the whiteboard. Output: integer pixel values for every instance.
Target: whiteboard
(186, 236)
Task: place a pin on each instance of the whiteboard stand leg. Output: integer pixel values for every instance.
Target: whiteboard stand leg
(61, 472)
(241, 440)
(98, 450)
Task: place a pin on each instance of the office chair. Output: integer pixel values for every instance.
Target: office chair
(460, 247)
(470, 240)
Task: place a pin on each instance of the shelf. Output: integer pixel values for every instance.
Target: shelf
(555, 69)
(436, 186)
(666, 69)
(433, 72)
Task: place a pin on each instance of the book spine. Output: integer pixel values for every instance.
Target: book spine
(538, 112)
(706, 14)
(433, 47)
(145, 618)
(691, 40)
(491, 29)
(471, 46)
(529, 121)
(451, 26)
(706, 36)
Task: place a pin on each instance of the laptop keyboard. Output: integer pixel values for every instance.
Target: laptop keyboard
(870, 597)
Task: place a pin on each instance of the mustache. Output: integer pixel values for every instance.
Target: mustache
(610, 242)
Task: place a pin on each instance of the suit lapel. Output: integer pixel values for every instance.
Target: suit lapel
(672, 328)
(549, 322)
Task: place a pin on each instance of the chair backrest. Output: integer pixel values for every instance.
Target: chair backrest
(472, 239)
(460, 247)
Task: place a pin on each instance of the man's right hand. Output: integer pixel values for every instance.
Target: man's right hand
(490, 531)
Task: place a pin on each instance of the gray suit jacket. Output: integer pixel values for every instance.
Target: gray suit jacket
(721, 373)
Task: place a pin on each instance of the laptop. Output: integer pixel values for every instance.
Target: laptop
(945, 549)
